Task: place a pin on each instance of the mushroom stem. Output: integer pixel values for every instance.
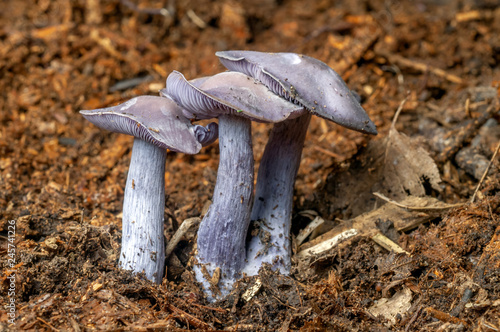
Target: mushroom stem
(143, 246)
(223, 230)
(274, 197)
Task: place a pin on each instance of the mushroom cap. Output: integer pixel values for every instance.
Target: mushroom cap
(305, 80)
(206, 135)
(229, 93)
(156, 120)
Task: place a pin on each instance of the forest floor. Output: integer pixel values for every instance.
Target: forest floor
(422, 197)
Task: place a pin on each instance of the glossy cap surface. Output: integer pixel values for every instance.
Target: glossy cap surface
(229, 93)
(305, 80)
(156, 120)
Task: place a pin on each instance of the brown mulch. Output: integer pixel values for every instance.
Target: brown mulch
(62, 179)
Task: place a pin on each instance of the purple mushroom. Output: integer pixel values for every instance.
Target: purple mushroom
(235, 99)
(312, 84)
(157, 124)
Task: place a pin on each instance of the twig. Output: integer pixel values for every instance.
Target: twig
(298, 293)
(284, 304)
(327, 152)
(388, 244)
(398, 111)
(46, 323)
(184, 227)
(196, 19)
(467, 107)
(485, 173)
(413, 318)
(328, 244)
(444, 317)
(304, 233)
(417, 208)
(422, 67)
(181, 314)
(473, 15)
(469, 292)
(393, 127)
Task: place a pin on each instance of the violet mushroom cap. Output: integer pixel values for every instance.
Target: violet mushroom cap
(304, 80)
(235, 99)
(308, 82)
(228, 93)
(157, 124)
(156, 120)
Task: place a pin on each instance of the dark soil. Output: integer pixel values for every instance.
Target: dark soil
(62, 179)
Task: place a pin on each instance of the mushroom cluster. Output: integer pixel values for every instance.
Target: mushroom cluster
(280, 88)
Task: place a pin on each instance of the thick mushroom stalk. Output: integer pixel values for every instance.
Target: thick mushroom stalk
(222, 233)
(157, 124)
(304, 81)
(272, 208)
(235, 99)
(143, 247)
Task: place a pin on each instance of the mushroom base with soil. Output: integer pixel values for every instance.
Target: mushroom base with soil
(271, 214)
(222, 233)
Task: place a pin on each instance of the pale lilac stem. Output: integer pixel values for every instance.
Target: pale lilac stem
(272, 210)
(222, 232)
(143, 246)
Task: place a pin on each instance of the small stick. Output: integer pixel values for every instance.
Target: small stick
(467, 107)
(181, 314)
(398, 111)
(393, 127)
(444, 317)
(196, 19)
(328, 244)
(422, 67)
(298, 293)
(304, 233)
(46, 323)
(183, 228)
(485, 173)
(328, 152)
(413, 318)
(388, 244)
(417, 208)
(473, 15)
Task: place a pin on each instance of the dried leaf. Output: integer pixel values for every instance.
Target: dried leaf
(394, 166)
(407, 167)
